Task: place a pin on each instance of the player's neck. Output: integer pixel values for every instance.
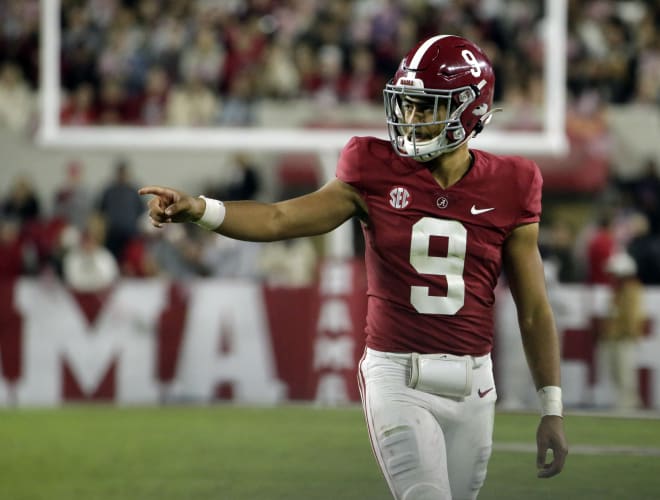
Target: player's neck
(450, 168)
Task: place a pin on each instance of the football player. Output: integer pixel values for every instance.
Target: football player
(440, 222)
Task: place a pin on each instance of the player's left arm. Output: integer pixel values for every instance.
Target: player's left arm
(524, 270)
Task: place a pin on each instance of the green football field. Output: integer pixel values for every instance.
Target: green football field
(288, 452)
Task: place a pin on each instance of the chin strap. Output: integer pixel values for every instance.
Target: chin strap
(483, 121)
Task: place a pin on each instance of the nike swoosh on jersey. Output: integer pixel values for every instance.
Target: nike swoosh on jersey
(476, 211)
(483, 393)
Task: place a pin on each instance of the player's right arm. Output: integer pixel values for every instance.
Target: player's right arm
(314, 213)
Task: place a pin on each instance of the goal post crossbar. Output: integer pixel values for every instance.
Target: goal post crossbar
(551, 139)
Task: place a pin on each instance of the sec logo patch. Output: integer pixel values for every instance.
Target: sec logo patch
(399, 197)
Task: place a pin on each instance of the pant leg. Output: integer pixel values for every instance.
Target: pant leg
(468, 434)
(605, 373)
(625, 374)
(428, 446)
(407, 440)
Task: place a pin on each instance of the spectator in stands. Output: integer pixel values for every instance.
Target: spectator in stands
(113, 104)
(167, 40)
(175, 252)
(72, 202)
(19, 36)
(331, 76)
(307, 67)
(391, 28)
(11, 249)
(617, 74)
(121, 207)
(227, 258)
(600, 247)
(16, 98)
(76, 26)
(245, 44)
(362, 83)
(288, 263)
(224, 257)
(124, 55)
(646, 193)
(102, 12)
(244, 181)
(151, 103)
(557, 242)
(203, 61)
(137, 260)
(113, 61)
(648, 89)
(78, 109)
(238, 107)
(89, 266)
(22, 202)
(192, 104)
(80, 31)
(622, 330)
(280, 79)
(604, 55)
(644, 247)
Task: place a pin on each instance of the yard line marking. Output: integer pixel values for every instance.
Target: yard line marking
(584, 449)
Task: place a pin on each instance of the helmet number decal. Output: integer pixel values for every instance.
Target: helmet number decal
(449, 266)
(475, 69)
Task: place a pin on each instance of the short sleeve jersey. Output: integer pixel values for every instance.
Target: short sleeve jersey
(433, 255)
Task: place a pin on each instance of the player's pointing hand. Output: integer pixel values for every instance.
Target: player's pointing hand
(171, 205)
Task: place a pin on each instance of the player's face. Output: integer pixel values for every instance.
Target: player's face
(420, 110)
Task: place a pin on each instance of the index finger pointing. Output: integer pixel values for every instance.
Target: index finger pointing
(156, 190)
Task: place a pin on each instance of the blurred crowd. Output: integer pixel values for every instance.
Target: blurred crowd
(624, 217)
(202, 62)
(92, 239)
(109, 232)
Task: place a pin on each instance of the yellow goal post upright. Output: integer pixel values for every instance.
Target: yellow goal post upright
(550, 139)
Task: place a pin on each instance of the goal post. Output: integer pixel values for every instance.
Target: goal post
(551, 139)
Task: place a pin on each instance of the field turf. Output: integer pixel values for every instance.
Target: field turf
(288, 452)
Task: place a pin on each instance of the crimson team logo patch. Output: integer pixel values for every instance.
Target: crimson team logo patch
(399, 197)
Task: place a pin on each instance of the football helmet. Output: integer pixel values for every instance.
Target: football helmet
(439, 97)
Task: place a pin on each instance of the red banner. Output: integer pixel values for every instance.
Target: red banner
(156, 341)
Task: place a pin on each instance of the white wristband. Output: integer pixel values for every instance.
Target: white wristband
(213, 216)
(550, 397)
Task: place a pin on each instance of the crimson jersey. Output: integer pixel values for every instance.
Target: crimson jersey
(433, 255)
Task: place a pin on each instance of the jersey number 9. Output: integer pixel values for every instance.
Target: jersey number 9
(450, 266)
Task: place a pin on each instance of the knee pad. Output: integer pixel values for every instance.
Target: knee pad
(401, 446)
(403, 464)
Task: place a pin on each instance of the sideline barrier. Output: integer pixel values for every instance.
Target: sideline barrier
(156, 341)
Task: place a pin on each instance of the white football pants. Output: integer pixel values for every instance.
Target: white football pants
(427, 446)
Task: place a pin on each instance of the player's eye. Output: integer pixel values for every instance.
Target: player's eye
(420, 106)
(408, 107)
